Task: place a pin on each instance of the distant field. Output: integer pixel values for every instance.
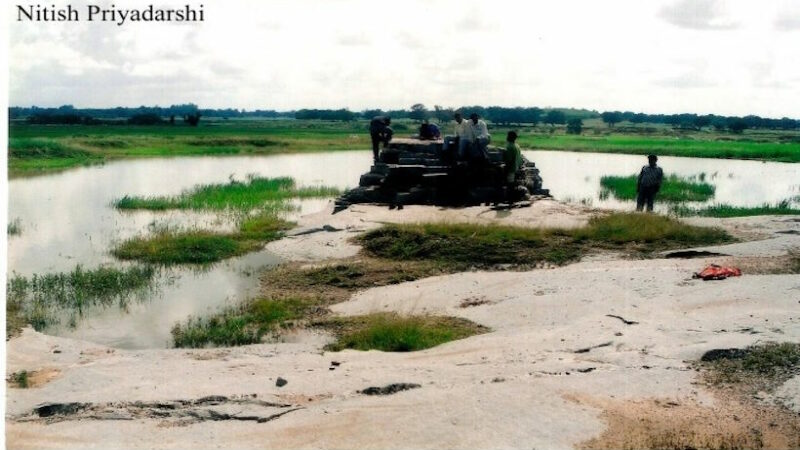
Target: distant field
(41, 148)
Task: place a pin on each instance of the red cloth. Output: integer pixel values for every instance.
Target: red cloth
(715, 272)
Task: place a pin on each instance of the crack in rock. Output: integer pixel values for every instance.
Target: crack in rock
(588, 349)
(389, 389)
(173, 412)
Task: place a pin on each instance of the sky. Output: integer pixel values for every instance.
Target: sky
(656, 56)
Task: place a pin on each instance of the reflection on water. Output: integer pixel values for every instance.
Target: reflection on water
(67, 219)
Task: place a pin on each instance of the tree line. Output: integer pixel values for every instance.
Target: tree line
(499, 115)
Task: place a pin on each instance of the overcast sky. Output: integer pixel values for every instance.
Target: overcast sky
(703, 56)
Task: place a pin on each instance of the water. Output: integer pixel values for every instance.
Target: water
(67, 219)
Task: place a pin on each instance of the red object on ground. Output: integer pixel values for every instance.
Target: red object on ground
(715, 272)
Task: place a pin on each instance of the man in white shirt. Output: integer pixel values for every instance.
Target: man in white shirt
(461, 138)
(480, 137)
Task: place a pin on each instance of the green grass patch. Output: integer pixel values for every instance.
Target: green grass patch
(395, 333)
(35, 300)
(465, 245)
(674, 189)
(770, 362)
(239, 326)
(167, 247)
(188, 247)
(724, 210)
(14, 228)
(253, 193)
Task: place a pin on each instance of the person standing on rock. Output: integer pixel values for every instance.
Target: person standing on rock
(379, 131)
(512, 157)
(480, 138)
(461, 137)
(648, 184)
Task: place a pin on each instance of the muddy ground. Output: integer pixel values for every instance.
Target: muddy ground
(596, 354)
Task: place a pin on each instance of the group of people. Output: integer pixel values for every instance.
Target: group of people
(470, 139)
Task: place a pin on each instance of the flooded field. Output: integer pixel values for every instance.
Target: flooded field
(67, 220)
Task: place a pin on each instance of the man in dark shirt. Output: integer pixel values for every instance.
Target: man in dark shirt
(648, 184)
(379, 131)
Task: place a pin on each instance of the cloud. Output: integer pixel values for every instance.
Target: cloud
(353, 40)
(688, 80)
(697, 15)
(472, 22)
(788, 21)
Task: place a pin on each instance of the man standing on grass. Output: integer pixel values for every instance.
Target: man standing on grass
(379, 131)
(648, 184)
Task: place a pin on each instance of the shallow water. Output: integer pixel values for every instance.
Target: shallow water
(66, 219)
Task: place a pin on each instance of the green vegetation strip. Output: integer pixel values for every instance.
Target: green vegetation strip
(696, 147)
(26, 155)
(723, 210)
(465, 245)
(35, 300)
(674, 189)
(255, 192)
(38, 148)
(203, 247)
(31, 147)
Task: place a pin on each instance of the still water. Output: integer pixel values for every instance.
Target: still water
(67, 219)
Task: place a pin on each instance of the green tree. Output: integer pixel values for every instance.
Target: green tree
(555, 117)
(574, 126)
(611, 118)
(418, 112)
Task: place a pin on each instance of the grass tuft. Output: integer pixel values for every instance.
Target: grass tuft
(395, 333)
(35, 300)
(19, 379)
(14, 228)
(674, 189)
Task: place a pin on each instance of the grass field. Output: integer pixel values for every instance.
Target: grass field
(42, 148)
